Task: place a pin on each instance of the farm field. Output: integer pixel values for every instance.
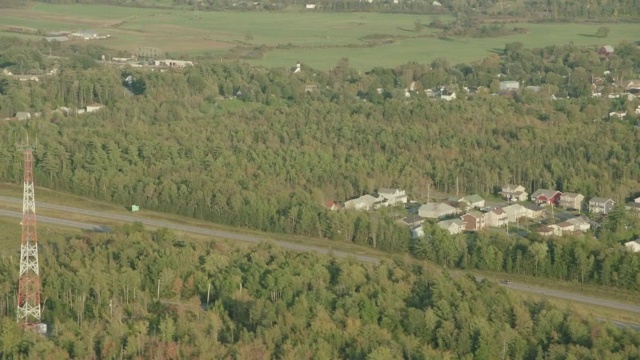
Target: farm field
(314, 38)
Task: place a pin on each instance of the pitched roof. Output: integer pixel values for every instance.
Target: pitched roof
(532, 207)
(476, 214)
(548, 193)
(571, 195)
(600, 200)
(473, 198)
(498, 211)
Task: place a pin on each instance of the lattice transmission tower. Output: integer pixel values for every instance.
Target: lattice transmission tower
(29, 312)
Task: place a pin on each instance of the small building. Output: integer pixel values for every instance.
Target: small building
(416, 231)
(85, 34)
(411, 221)
(93, 107)
(571, 201)
(436, 210)
(514, 193)
(598, 205)
(580, 223)
(606, 50)
(633, 245)
(514, 212)
(509, 86)
(474, 220)
(393, 196)
(547, 230)
(331, 205)
(366, 202)
(23, 115)
(173, 63)
(135, 208)
(474, 200)
(496, 218)
(532, 211)
(56, 38)
(310, 6)
(453, 226)
(546, 197)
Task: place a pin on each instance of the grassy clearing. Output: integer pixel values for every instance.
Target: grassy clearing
(315, 38)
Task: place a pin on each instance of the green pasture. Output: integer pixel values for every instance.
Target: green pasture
(315, 38)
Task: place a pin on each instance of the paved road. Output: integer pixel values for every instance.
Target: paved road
(256, 239)
(172, 226)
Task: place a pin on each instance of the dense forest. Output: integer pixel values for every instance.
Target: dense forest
(265, 148)
(133, 294)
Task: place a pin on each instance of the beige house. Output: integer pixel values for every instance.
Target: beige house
(496, 218)
(366, 202)
(436, 210)
(514, 212)
(514, 193)
(472, 201)
(571, 201)
(580, 223)
(633, 246)
(453, 226)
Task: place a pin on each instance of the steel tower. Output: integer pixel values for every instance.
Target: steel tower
(29, 283)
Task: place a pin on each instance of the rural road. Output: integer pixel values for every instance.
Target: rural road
(290, 246)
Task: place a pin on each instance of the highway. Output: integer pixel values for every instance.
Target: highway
(286, 245)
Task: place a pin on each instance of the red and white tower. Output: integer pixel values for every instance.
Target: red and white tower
(29, 283)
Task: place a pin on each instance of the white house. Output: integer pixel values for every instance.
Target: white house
(580, 223)
(633, 246)
(393, 196)
(598, 205)
(453, 226)
(94, 107)
(497, 217)
(509, 85)
(417, 232)
(514, 193)
(474, 200)
(310, 6)
(365, 202)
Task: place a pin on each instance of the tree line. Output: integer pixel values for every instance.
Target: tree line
(135, 294)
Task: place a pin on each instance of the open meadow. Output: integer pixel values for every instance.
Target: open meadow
(318, 39)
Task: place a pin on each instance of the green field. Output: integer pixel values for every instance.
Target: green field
(315, 38)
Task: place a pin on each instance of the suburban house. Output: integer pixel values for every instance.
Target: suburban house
(606, 50)
(94, 107)
(633, 245)
(310, 6)
(571, 201)
(416, 231)
(411, 221)
(453, 226)
(366, 202)
(580, 223)
(436, 210)
(548, 231)
(509, 85)
(565, 226)
(332, 205)
(393, 196)
(474, 220)
(23, 115)
(514, 212)
(514, 193)
(474, 201)
(496, 218)
(546, 197)
(598, 205)
(633, 208)
(532, 211)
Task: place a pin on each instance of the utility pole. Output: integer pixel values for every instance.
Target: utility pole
(29, 312)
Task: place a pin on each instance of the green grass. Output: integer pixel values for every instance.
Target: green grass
(319, 39)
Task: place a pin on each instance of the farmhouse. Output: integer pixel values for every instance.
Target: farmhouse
(598, 205)
(571, 201)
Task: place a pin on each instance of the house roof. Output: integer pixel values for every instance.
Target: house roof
(571, 195)
(511, 187)
(545, 230)
(498, 211)
(600, 200)
(633, 205)
(532, 207)
(412, 219)
(544, 192)
(607, 48)
(476, 214)
(472, 199)
(579, 220)
(565, 224)
(446, 224)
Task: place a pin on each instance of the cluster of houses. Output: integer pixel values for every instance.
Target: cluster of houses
(62, 110)
(471, 213)
(62, 36)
